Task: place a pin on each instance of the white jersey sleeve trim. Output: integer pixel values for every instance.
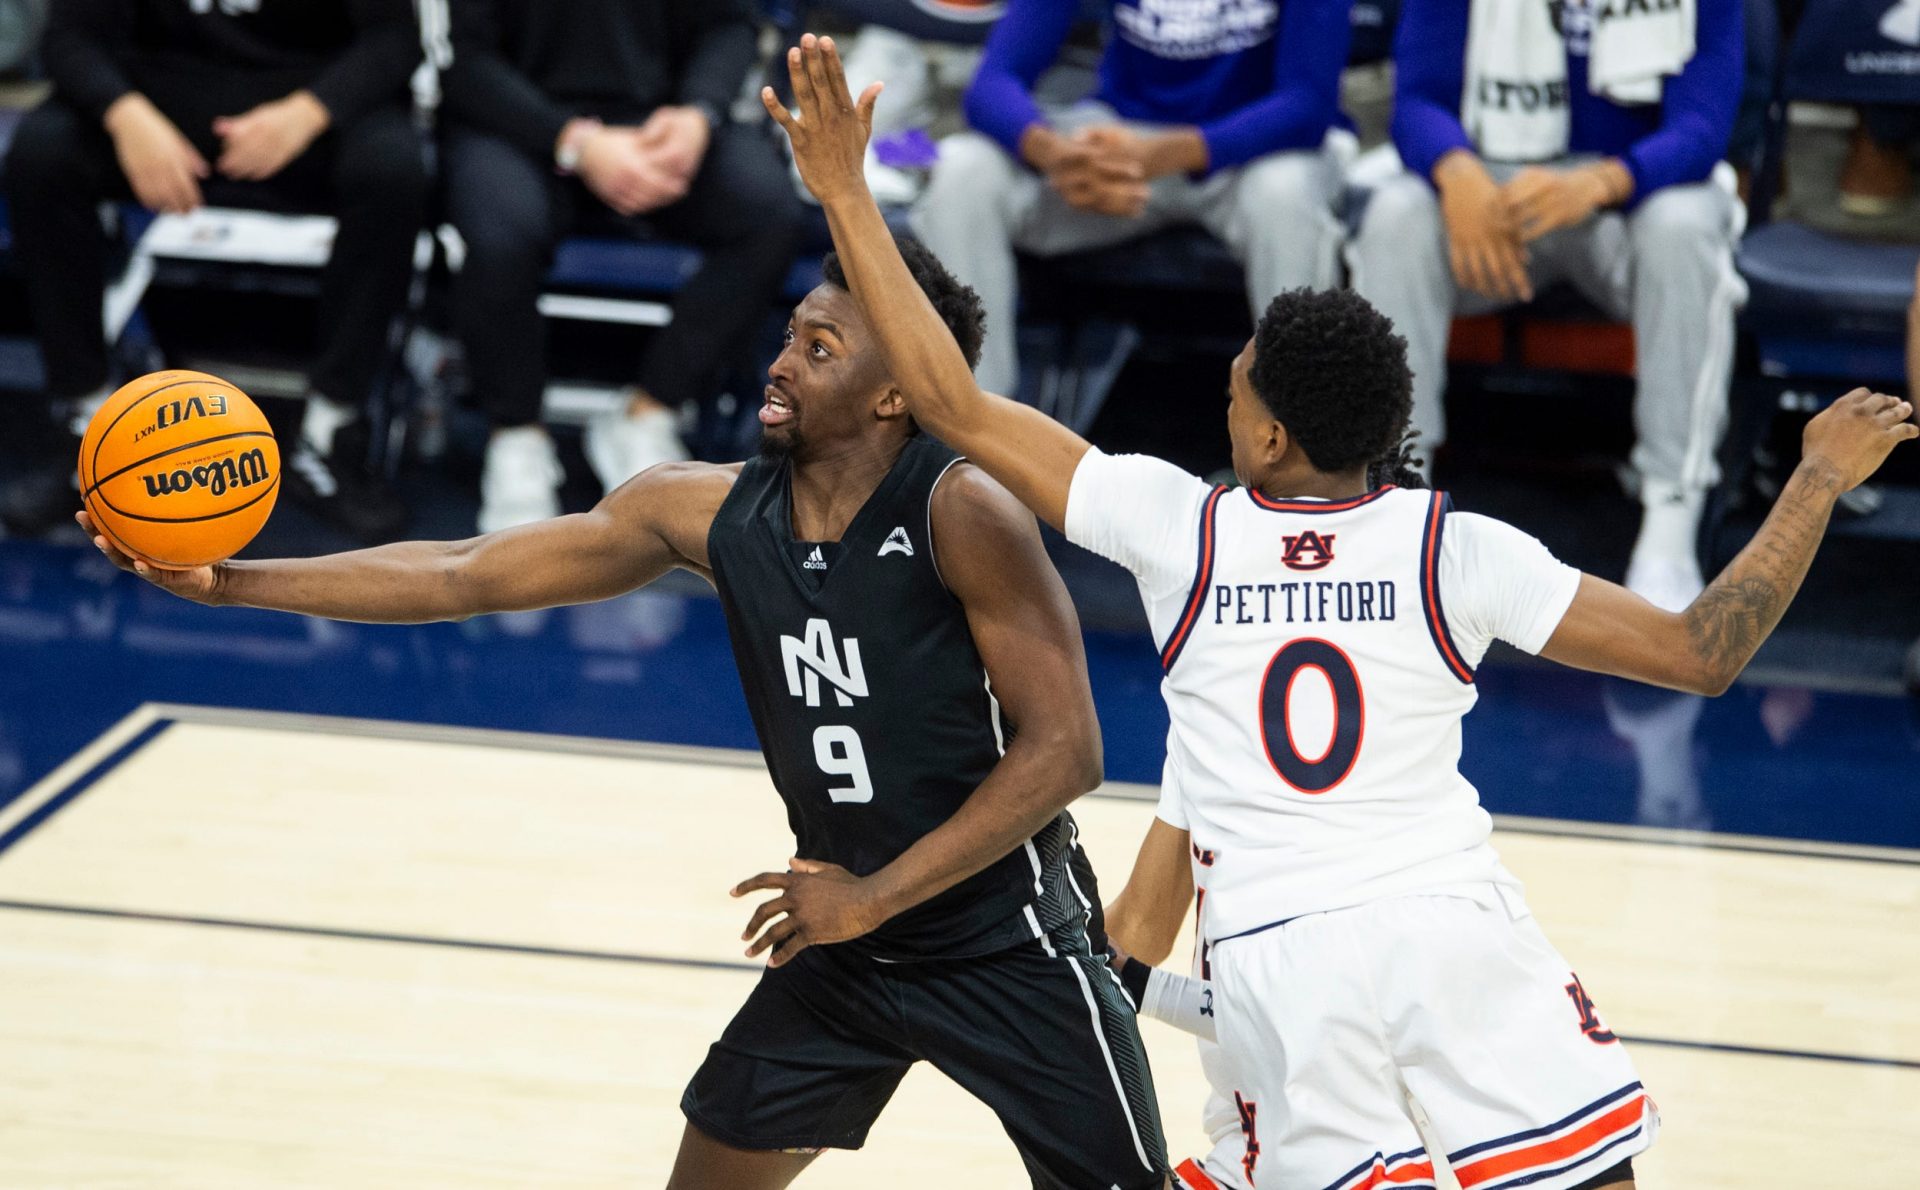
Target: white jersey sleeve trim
(1498, 582)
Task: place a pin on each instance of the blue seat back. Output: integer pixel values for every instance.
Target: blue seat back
(1856, 51)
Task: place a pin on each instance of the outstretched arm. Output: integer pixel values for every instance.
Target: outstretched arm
(1024, 626)
(1029, 452)
(651, 524)
(1703, 649)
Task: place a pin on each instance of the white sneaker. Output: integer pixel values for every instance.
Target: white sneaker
(521, 481)
(1665, 566)
(620, 447)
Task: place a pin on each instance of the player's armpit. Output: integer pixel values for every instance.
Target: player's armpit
(1146, 917)
(653, 523)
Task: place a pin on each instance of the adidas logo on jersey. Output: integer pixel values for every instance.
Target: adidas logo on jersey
(897, 542)
(814, 560)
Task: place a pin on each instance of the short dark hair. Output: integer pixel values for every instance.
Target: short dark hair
(958, 305)
(1329, 367)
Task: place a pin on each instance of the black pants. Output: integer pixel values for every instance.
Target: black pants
(1040, 1033)
(513, 211)
(370, 175)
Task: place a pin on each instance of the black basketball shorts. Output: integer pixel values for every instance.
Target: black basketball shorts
(1040, 1032)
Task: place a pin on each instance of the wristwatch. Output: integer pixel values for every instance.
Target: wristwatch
(566, 153)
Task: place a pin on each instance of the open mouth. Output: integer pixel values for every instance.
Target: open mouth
(776, 411)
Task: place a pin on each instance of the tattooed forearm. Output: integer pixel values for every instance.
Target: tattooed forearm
(1730, 619)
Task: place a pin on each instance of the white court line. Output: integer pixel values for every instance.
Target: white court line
(49, 786)
(746, 759)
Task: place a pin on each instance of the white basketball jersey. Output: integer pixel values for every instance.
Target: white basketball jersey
(1313, 679)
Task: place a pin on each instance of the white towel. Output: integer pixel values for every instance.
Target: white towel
(1636, 44)
(1514, 102)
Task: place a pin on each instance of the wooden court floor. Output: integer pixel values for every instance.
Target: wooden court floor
(242, 950)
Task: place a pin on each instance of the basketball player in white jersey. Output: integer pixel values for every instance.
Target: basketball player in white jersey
(1319, 630)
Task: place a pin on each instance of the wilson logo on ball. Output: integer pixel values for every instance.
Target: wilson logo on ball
(172, 413)
(242, 471)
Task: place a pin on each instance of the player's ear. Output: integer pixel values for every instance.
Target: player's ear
(1277, 441)
(893, 403)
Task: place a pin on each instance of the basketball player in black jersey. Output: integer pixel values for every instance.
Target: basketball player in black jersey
(915, 673)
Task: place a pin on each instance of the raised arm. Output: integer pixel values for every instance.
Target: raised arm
(1029, 452)
(1703, 649)
(1024, 626)
(649, 525)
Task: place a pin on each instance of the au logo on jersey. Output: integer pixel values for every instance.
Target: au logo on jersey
(1307, 551)
(810, 658)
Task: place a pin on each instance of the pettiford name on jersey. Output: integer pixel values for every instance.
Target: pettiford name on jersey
(1316, 697)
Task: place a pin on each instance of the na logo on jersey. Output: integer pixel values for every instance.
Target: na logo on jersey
(897, 542)
(1307, 551)
(810, 658)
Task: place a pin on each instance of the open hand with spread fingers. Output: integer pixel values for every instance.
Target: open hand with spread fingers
(830, 132)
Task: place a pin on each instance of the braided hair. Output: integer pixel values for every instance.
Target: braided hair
(1329, 367)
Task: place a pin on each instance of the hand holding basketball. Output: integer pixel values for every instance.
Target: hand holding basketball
(197, 584)
(178, 470)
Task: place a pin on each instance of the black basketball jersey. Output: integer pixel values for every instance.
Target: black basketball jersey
(872, 705)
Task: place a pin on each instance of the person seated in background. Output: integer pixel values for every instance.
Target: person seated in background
(1913, 338)
(184, 103)
(1217, 115)
(1876, 178)
(1584, 151)
(604, 115)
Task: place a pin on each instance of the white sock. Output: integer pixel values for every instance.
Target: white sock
(85, 407)
(1670, 524)
(323, 418)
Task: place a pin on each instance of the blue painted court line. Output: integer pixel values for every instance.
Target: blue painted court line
(651, 960)
(81, 784)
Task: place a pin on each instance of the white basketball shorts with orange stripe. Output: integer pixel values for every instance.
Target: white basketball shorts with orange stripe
(1333, 1022)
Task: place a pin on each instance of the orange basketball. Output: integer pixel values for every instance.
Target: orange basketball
(179, 469)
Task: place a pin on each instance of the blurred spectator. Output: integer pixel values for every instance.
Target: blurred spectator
(1913, 340)
(176, 103)
(605, 115)
(1877, 176)
(1215, 114)
(20, 24)
(1565, 167)
(1749, 138)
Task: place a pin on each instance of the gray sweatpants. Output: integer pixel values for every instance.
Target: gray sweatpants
(1275, 213)
(1666, 266)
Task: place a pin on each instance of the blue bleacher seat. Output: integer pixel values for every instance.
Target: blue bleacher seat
(1824, 306)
